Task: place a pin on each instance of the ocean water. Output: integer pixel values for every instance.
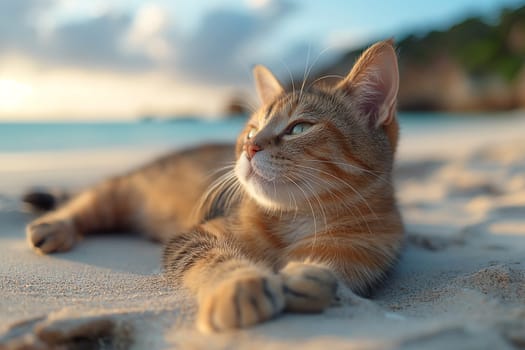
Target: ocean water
(59, 136)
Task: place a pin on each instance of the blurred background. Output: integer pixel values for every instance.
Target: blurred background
(129, 72)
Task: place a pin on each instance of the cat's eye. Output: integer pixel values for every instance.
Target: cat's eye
(299, 128)
(251, 133)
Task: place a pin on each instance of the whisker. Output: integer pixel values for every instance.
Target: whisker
(305, 71)
(328, 76)
(342, 197)
(321, 207)
(219, 192)
(247, 105)
(343, 182)
(228, 166)
(307, 201)
(309, 69)
(290, 75)
(377, 174)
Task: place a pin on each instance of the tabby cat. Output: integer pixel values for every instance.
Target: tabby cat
(305, 205)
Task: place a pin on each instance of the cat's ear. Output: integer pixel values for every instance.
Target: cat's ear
(373, 83)
(268, 87)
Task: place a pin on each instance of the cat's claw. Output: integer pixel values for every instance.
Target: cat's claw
(308, 288)
(51, 235)
(241, 302)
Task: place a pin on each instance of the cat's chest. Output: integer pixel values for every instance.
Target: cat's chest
(291, 229)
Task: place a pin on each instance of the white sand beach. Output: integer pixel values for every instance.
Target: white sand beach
(460, 283)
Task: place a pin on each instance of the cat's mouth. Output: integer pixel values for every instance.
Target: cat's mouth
(268, 184)
(265, 181)
(265, 172)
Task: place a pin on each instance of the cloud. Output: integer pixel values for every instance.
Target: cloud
(218, 51)
(20, 11)
(16, 31)
(97, 42)
(224, 45)
(148, 33)
(93, 42)
(215, 51)
(125, 62)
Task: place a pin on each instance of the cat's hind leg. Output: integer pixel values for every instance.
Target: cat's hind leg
(109, 206)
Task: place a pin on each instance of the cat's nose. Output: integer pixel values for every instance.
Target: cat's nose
(251, 149)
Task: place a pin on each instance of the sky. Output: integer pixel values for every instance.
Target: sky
(120, 59)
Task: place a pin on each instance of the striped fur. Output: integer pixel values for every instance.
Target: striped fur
(305, 205)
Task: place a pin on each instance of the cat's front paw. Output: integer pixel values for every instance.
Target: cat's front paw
(308, 288)
(241, 301)
(48, 235)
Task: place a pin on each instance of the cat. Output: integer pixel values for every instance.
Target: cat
(304, 206)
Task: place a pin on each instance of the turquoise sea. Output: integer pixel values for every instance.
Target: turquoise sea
(57, 136)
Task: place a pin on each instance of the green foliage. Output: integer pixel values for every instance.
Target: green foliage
(481, 48)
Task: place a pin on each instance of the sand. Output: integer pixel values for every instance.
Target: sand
(460, 283)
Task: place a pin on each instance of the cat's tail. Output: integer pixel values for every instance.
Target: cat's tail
(45, 199)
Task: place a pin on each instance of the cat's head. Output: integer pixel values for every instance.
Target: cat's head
(323, 143)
